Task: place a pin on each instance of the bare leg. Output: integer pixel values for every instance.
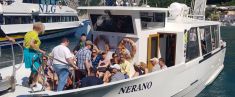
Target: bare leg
(107, 75)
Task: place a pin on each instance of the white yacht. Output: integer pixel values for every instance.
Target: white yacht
(193, 50)
(17, 17)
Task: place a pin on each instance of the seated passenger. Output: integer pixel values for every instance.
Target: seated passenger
(162, 63)
(125, 66)
(103, 64)
(116, 73)
(155, 63)
(122, 50)
(115, 59)
(96, 57)
(91, 79)
(140, 69)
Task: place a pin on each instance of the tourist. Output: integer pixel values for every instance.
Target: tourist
(115, 59)
(81, 43)
(2, 34)
(107, 74)
(49, 79)
(91, 80)
(31, 48)
(103, 64)
(62, 59)
(84, 61)
(125, 66)
(162, 64)
(96, 57)
(155, 63)
(140, 69)
(116, 73)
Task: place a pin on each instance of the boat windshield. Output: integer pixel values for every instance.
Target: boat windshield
(112, 23)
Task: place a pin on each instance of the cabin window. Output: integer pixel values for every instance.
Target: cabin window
(215, 36)
(112, 23)
(192, 50)
(205, 39)
(151, 20)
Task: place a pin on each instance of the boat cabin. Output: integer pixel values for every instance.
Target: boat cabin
(154, 33)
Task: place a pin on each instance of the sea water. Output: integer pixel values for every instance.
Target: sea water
(224, 84)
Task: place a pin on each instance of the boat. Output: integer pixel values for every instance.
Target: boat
(17, 18)
(193, 50)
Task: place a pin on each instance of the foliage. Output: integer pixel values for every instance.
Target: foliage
(164, 3)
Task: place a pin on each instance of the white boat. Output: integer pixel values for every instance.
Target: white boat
(17, 17)
(192, 48)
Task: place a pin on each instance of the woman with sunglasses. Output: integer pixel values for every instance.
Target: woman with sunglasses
(96, 57)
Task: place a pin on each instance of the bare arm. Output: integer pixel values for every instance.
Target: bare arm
(32, 45)
(88, 64)
(10, 39)
(72, 64)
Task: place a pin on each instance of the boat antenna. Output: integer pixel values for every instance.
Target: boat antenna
(198, 8)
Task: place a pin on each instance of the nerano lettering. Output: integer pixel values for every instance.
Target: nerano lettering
(135, 88)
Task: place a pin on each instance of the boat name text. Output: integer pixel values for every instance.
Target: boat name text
(135, 88)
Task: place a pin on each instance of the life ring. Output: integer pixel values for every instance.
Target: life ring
(105, 40)
(123, 43)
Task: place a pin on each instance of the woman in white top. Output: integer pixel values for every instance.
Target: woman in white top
(162, 63)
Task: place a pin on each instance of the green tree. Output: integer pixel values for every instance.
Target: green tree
(164, 3)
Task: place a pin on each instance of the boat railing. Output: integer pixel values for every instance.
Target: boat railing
(12, 60)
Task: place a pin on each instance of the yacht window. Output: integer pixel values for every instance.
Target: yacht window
(1, 19)
(215, 36)
(112, 23)
(192, 50)
(17, 19)
(43, 19)
(56, 19)
(205, 39)
(150, 20)
(26, 19)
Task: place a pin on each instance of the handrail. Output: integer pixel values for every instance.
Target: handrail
(12, 80)
(22, 61)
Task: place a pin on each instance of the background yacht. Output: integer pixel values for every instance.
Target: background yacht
(17, 17)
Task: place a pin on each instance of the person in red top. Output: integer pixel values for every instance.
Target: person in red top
(2, 34)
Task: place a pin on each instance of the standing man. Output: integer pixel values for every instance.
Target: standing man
(84, 61)
(63, 58)
(2, 34)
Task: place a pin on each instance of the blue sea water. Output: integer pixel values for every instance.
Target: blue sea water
(224, 85)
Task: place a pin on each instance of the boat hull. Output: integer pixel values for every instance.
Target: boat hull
(178, 81)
